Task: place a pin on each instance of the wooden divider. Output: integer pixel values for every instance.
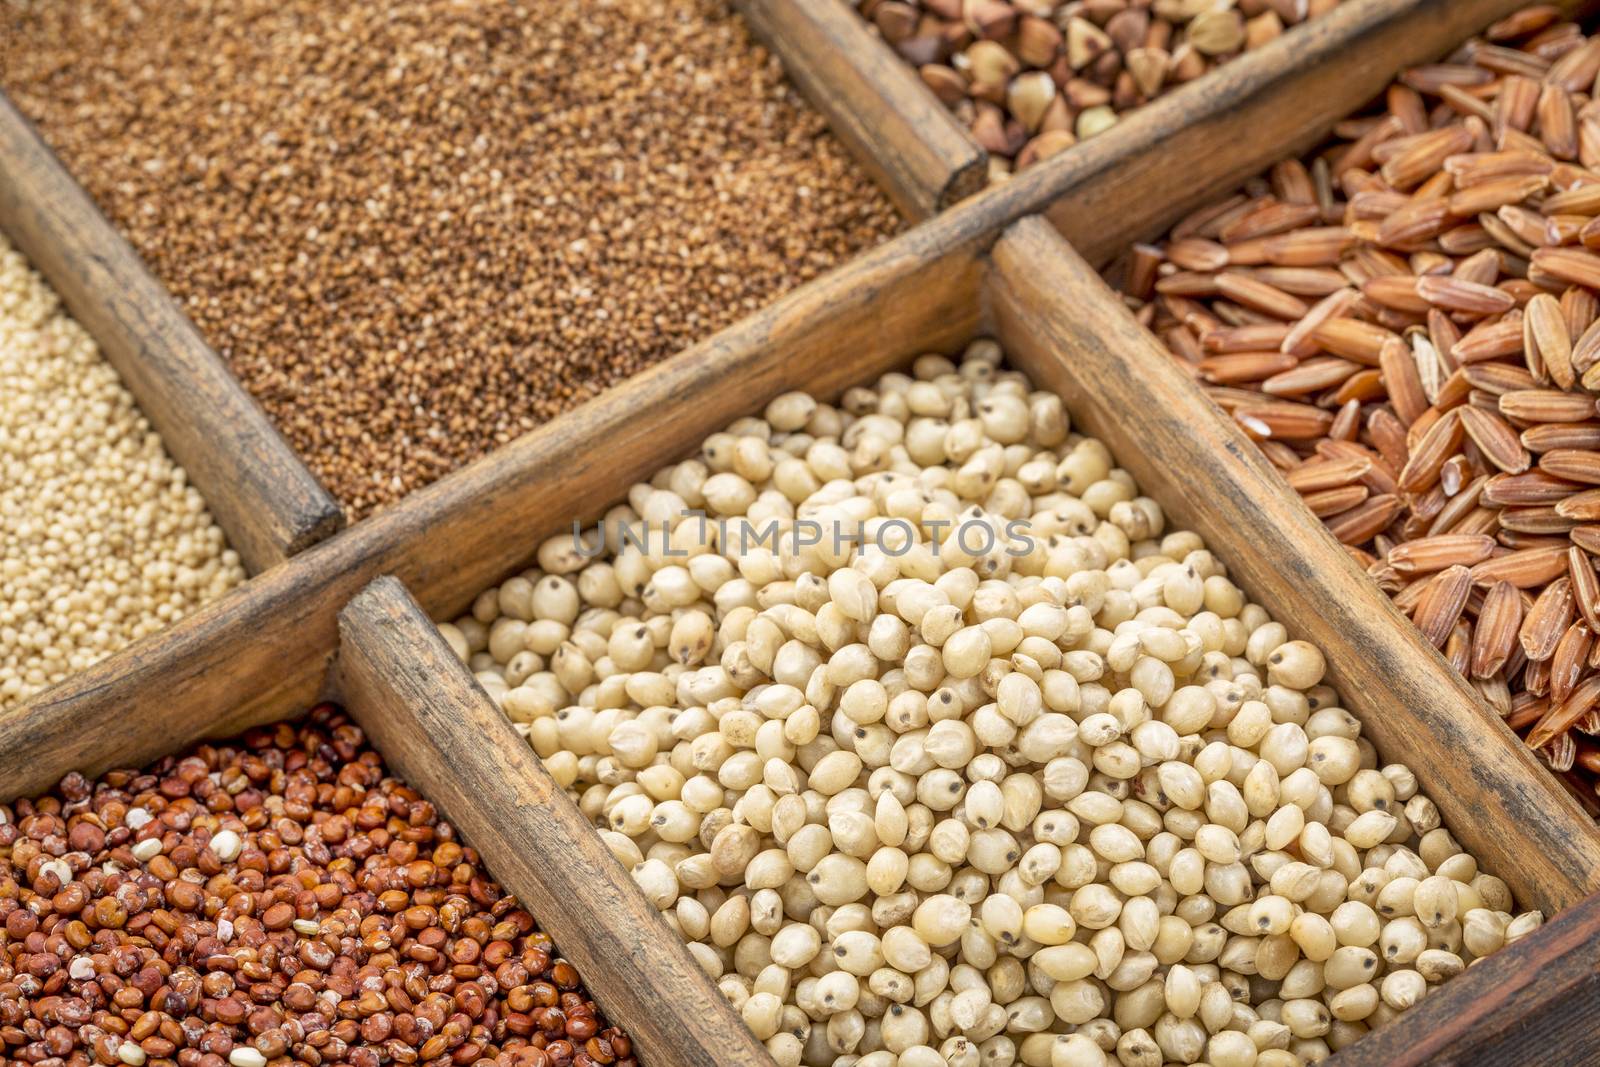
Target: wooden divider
(1063, 325)
(1200, 141)
(1160, 161)
(1531, 1004)
(262, 651)
(261, 494)
(437, 727)
(877, 104)
(266, 650)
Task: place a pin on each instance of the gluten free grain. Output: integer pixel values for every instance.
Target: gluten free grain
(273, 899)
(418, 230)
(1406, 323)
(937, 798)
(102, 539)
(1032, 78)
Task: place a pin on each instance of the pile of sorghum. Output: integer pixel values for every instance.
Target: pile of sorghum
(279, 899)
(102, 540)
(1031, 78)
(1408, 324)
(417, 230)
(938, 797)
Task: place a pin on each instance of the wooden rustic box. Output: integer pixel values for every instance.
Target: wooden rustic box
(346, 615)
(1159, 161)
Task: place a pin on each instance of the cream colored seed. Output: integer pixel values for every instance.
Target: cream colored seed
(103, 541)
(944, 804)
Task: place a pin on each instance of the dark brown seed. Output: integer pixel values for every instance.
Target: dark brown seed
(1310, 376)
(1530, 489)
(1328, 474)
(1401, 380)
(1427, 554)
(1571, 656)
(1498, 378)
(1397, 291)
(1283, 421)
(1327, 502)
(1239, 367)
(1584, 506)
(1527, 568)
(1560, 718)
(1353, 339)
(1553, 435)
(1454, 294)
(1489, 340)
(1545, 329)
(1570, 264)
(1543, 521)
(1586, 538)
(1259, 296)
(1547, 405)
(1585, 586)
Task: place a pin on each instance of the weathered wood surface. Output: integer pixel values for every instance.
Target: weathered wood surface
(438, 728)
(261, 652)
(877, 104)
(259, 491)
(1063, 325)
(1533, 1004)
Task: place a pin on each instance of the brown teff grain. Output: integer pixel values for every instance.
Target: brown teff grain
(1420, 307)
(1032, 78)
(417, 230)
(273, 899)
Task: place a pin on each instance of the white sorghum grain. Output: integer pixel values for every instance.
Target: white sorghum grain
(103, 539)
(943, 800)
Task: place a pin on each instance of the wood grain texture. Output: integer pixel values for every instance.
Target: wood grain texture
(261, 652)
(435, 725)
(875, 102)
(1060, 322)
(1532, 1004)
(262, 496)
(1200, 141)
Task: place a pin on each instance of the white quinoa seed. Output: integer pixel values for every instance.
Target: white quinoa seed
(103, 540)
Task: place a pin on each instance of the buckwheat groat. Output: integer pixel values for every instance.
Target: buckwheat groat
(417, 232)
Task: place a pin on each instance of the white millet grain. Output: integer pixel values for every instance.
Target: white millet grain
(1077, 805)
(102, 539)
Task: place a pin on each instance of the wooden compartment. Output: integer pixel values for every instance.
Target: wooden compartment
(1270, 105)
(874, 101)
(265, 651)
(1160, 160)
(261, 494)
(1104, 213)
